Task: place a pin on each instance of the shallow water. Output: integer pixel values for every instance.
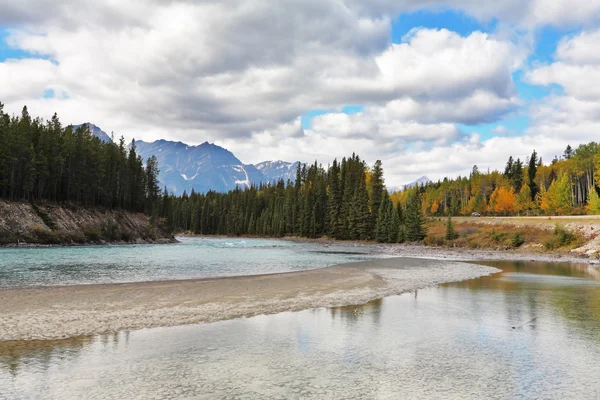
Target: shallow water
(530, 332)
(191, 258)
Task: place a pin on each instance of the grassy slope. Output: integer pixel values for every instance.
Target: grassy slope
(530, 233)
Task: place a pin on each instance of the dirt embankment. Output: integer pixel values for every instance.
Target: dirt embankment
(28, 224)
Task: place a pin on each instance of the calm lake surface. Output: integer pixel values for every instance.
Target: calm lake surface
(531, 332)
(191, 258)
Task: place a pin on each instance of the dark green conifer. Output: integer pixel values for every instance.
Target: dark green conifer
(451, 233)
(414, 222)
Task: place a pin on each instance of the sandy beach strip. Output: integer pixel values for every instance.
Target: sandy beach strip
(51, 313)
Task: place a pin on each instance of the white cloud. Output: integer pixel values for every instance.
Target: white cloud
(374, 125)
(208, 71)
(526, 14)
(575, 116)
(442, 64)
(580, 49)
(41, 76)
(242, 72)
(479, 106)
(577, 67)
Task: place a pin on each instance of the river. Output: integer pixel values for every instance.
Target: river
(191, 258)
(532, 331)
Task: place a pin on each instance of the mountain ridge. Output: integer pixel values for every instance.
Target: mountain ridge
(96, 131)
(204, 167)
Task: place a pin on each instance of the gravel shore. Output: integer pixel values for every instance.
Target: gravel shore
(60, 312)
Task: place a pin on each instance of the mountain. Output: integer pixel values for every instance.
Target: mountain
(276, 170)
(421, 181)
(96, 131)
(202, 168)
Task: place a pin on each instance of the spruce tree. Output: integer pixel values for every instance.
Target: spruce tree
(334, 199)
(402, 233)
(414, 222)
(394, 224)
(531, 173)
(363, 214)
(382, 234)
(451, 234)
(376, 189)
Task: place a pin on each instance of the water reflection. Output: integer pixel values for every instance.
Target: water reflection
(17, 354)
(507, 336)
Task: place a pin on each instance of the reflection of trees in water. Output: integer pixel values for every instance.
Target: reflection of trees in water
(496, 281)
(42, 352)
(579, 307)
(353, 313)
(547, 268)
(577, 304)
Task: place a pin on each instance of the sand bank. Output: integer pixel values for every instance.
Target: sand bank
(68, 311)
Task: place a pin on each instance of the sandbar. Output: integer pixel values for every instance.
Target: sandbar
(58, 312)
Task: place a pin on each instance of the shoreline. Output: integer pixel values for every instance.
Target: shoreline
(103, 243)
(391, 249)
(433, 252)
(60, 312)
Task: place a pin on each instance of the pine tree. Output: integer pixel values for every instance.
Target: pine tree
(382, 233)
(531, 173)
(568, 152)
(376, 190)
(508, 170)
(451, 233)
(394, 226)
(414, 223)
(402, 233)
(334, 200)
(362, 212)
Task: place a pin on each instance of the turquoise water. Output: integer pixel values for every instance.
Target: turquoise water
(191, 258)
(531, 332)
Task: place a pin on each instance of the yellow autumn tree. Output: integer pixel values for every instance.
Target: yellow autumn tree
(503, 200)
(557, 199)
(593, 202)
(435, 207)
(524, 201)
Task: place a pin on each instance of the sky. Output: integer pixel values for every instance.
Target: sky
(429, 87)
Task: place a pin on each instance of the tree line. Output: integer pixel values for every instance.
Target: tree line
(566, 186)
(46, 161)
(347, 201)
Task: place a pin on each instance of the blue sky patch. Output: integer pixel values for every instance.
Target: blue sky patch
(453, 20)
(6, 51)
(306, 119)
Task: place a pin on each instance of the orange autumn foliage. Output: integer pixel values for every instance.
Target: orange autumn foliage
(503, 200)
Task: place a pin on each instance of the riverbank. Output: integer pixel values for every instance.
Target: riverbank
(60, 312)
(577, 240)
(454, 253)
(48, 224)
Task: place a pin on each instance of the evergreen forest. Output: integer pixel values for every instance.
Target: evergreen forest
(348, 200)
(46, 161)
